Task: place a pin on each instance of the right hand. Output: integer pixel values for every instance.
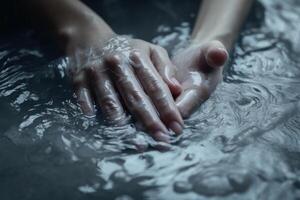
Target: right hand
(139, 75)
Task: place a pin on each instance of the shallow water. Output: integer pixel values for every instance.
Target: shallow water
(243, 143)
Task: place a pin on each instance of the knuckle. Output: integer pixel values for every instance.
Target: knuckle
(78, 79)
(136, 58)
(184, 113)
(162, 102)
(109, 105)
(158, 92)
(124, 82)
(154, 87)
(141, 61)
(115, 64)
(135, 100)
(135, 53)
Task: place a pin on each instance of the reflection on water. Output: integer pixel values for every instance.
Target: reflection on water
(243, 143)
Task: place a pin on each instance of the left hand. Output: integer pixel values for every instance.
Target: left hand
(125, 70)
(199, 71)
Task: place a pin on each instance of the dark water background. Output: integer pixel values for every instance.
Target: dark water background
(243, 143)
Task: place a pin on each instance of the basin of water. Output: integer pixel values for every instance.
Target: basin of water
(243, 143)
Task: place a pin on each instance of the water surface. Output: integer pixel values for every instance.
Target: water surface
(243, 143)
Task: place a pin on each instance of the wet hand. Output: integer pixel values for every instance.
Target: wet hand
(124, 75)
(199, 71)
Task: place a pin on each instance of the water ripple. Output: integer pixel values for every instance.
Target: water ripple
(243, 143)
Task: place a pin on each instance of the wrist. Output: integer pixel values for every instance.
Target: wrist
(226, 38)
(80, 34)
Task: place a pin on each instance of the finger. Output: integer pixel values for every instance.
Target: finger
(83, 94)
(105, 95)
(166, 69)
(190, 99)
(135, 99)
(215, 54)
(212, 57)
(157, 90)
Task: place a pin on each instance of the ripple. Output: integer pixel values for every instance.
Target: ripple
(220, 183)
(242, 143)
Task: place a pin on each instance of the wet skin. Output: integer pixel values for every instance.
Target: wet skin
(199, 72)
(146, 80)
(141, 78)
(129, 79)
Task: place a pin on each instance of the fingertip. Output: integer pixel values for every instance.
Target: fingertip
(176, 127)
(217, 56)
(162, 137)
(85, 102)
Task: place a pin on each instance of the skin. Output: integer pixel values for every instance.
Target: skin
(141, 78)
(199, 71)
(130, 78)
(120, 81)
(201, 64)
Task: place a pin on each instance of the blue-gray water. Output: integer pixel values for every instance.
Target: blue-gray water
(243, 143)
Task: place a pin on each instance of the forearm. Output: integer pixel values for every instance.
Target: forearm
(220, 20)
(66, 18)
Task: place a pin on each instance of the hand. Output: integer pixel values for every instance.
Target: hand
(123, 70)
(199, 71)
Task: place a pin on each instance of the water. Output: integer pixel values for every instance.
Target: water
(243, 143)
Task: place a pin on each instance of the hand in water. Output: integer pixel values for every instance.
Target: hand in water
(123, 75)
(199, 71)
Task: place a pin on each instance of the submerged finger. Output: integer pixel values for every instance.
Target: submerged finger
(135, 99)
(215, 54)
(190, 99)
(166, 69)
(105, 96)
(83, 94)
(157, 90)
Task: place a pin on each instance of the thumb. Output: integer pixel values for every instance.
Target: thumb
(215, 54)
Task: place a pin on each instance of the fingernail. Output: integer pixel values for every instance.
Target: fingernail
(160, 136)
(217, 57)
(176, 127)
